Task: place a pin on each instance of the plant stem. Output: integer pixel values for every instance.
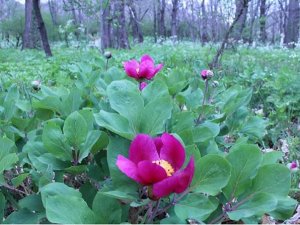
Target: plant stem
(203, 102)
(106, 66)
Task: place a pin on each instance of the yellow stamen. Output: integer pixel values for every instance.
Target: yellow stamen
(166, 166)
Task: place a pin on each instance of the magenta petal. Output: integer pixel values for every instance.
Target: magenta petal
(150, 173)
(147, 69)
(158, 143)
(172, 151)
(158, 68)
(143, 148)
(147, 57)
(131, 68)
(177, 183)
(128, 167)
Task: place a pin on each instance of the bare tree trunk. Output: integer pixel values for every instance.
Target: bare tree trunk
(42, 28)
(216, 60)
(174, 17)
(193, 28)
(154, 22)
(240, 25)
(53, 11)
(262, 21)
(105, 26)
(292, 27)
(161, 18)
(204, 34)
(28, 24)
(253, 15)
(136, 29)
(123, 37)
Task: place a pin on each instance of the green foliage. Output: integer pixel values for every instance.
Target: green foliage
(59, 144)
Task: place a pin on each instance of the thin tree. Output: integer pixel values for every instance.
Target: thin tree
(262, 21)
(240, 13)
(42, 28)
(291, 35)
(174, 17)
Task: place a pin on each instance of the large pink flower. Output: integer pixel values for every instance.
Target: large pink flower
(144, 69)
(157, 163)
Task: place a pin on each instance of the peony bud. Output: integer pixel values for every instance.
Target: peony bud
(36, 84)
(142, 85)
(107, 55)
(293, 166)
(206, 74)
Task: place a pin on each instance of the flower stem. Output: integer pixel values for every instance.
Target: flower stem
(106, 66)
(205, 96)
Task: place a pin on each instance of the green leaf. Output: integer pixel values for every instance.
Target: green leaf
(19, 179)
(205, 131)
(107, 210)
(195, 206)
(32, 202)
(285, 208)
(54, 189)
(75, 129)
(23, 216)
(273, 178)
(155, 115)
(155, 89)
(245, 160)
(128, 104)
(7, 161)
(256, 205)
(68, 210)
(55, 142)
(115, 123)
(90, 141)
(255, 127)
(212, 173)
(272, 157)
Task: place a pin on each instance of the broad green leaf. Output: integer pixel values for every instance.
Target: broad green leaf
(115, 123)
(75, 129)
(55, 142)
(128, 103)
(68, 210)
(195, 206)
(155, 89)
(32, 202)
(107, 209)
(205, 131)
(7, 161)
(256, 205)
(212, 173)
(90, 141)
(273, 178)
(255, 127)
(155, 115)
(245, 160)
(55, 189)
(271, 157)
(22, 216)
(285, 208)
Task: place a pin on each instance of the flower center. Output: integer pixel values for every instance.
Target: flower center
(166, 166)
(138, 70)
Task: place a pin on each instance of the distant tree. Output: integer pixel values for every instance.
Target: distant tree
(174, 17)
(204, 33)
(123, 41)
(262, 21)
(291, 33)
(105, 25)
(41, 27)
(134, 21)
(240, 13)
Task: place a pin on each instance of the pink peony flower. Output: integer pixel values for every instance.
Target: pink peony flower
(144, 69)
(142, 85)
(157, 163)
(293, 166)
(205, 74)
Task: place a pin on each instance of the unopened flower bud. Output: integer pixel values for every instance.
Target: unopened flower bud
(36, 84)
(293, 166)
(107, 55)
(206, 74)
(215, 83)
(142, 85)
